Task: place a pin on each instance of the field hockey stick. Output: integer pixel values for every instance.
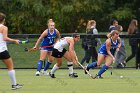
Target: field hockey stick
(20, 44)
(24, 42)
(34, 49)
(113, 62)
(85, 70)
(111, 70)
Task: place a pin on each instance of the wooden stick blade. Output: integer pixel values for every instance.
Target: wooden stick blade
(85, 70)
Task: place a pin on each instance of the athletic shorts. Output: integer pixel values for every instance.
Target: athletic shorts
(4, 55)
(57, 54)
(47, 49)
(101, 51)
(104, 52)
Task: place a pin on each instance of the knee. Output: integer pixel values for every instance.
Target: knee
(69, 60)
(41, 59)
(59, 64)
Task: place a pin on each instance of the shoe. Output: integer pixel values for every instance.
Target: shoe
(37, 73)
(124, 63)
(18, 86)
(86, 69)
(97, 77)
(73, 75)
(45, 73)
(52, 75)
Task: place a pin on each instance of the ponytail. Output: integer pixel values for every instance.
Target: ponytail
(112, 33)
(109, 35)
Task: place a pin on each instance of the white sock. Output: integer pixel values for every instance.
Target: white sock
(12, 77)
(70, 67)
(55, 67)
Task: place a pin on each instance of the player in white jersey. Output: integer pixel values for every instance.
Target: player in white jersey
(4, 54)
(59, 51)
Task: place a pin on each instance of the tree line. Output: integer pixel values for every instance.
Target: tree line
(30, 16)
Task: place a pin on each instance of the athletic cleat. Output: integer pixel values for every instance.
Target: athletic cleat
(18, 86)
(73, 75)
(45, 73)
(37, 73)
(97, 77)
(52, 75)
(124, 63)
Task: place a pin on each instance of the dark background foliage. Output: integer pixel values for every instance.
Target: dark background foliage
(30, 16)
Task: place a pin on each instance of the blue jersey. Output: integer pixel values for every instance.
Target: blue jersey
(113, 48)
(48, 40)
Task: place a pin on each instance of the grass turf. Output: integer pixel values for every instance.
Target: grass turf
(63, 84)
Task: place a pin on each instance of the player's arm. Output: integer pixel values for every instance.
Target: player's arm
(58, 35)
(6, 38)
(40, 38)
(72, 51)
(119, 40)
(108, 47)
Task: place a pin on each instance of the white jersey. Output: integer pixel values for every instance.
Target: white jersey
(3, 45)
(61, 44)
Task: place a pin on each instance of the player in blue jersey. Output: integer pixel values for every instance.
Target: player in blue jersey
(106, 53)
(47, 39)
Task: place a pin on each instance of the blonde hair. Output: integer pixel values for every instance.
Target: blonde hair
(49, 21)
(112, 33)
(89, 24)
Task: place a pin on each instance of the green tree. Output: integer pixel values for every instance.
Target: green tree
(30, 16)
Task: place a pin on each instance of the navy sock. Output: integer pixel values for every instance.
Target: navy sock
(47, 65)
(102, 70)
(39, 65)
(92, 65)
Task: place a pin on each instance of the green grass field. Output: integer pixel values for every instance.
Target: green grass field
(64, 84)
(130, 83)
